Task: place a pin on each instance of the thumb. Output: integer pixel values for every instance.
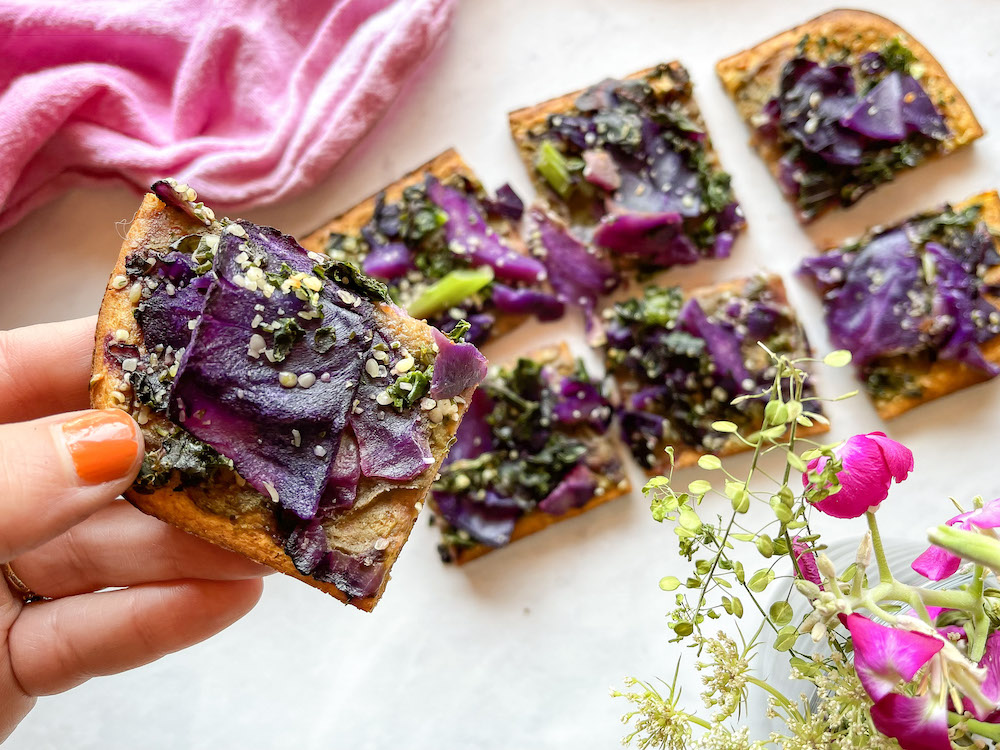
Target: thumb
(54, 472)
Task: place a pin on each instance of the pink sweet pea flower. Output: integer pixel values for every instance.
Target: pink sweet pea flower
(805, 559)
(919, 723)
(991, 685)
(870, 463)
(884, 656)
(937, 563)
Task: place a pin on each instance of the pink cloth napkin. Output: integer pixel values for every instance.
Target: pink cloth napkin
(248, 101)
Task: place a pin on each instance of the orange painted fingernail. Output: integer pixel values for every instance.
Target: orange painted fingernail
(103, 445)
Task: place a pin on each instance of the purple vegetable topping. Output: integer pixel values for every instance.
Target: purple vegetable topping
(474, 436)
(867, 320)
(573, 491)
(580, 402)
(456, 368)
(357, 576)
(506, 204)
(645, 398)
(480, 325)
(657, 239)
(958, 299)
(306, 545)
(391, 444)
(467, 229)
(577, 273)
(879, 113)
(344, 475)
(388, 261)
(544, 306)
(812, 101)
(723, 343)
(491, 525)
(600, 169)
(166, 193)
(235, 403)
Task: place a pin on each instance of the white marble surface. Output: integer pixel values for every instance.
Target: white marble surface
(520, 648)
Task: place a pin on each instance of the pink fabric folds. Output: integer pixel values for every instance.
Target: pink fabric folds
(248, 101)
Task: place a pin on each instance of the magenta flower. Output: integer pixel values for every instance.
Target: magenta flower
(884, 656)
(805, 559)
(870, 463)
(937, 563)
(919, 723)
(991, 685)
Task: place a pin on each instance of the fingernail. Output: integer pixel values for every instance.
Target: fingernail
(103, 445)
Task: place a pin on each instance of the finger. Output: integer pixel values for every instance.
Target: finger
(56, 471)
(60, 644)
(45, 369)
(121, 546)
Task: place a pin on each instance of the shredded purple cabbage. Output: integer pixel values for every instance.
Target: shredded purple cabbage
(456, 368)
(574, 491)
(506, 204)
(467, 229)
(388, 261)
(544, 306)
(577, 273)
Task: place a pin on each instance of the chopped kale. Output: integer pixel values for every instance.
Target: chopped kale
(351, 277)
(196, 462)
(324, 339)
(410, 388)
(287, 332)
(458, 332)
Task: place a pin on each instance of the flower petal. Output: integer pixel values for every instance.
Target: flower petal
(805, 558)
(936, 564)
(991, 685)
(883, 655)
(915, 723)
(865, 479)
(898, 458)
(987, 517)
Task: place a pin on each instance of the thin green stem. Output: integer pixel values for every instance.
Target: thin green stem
(982, 728)
(777, 695)
(980, 620)
(884, 573)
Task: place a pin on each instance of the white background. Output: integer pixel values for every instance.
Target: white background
(520, 648)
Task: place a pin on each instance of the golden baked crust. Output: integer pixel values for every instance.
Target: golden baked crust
(751, 77)
(445, 166)
(947, 376)
(525, 122)
(613, 486)
(383, 510)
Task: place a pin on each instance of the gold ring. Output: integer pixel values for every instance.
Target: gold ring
(17, 586)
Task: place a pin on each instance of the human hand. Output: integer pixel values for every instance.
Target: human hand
(66, 536)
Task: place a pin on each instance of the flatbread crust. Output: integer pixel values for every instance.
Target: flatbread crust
(688, 455)
(525, 123)
(384, 510)
(531, 523)
(752, 76)
(947, 376)
(444, 166)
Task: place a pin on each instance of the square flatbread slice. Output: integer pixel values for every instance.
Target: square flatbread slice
(899, 382)
(188, 484)
(874, 48)
(680, 360)
(628, 164)
(488, 495)
(434, 252)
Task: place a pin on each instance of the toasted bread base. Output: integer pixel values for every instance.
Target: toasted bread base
(384, 509)
(751, 77)
(443, 166)
(535, 521)
(947, 376)
(523, 122)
